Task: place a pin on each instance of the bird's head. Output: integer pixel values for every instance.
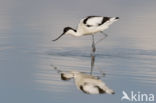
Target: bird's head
(67, 76)
(66, 30)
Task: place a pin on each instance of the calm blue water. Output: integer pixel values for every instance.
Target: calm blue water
(127, 55)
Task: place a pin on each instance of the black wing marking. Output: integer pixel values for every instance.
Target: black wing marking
(101, 91)
(81, 87)
(105, 19)
(86, 19)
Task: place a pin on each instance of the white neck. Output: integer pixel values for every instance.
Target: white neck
(74, 33)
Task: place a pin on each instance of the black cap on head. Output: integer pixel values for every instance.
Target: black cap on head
(63, 77)
(68, 28)
(64, 32)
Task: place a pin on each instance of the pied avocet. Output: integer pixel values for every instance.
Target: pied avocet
(89, 26)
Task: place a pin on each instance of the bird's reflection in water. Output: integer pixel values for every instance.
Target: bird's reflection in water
(87, 83)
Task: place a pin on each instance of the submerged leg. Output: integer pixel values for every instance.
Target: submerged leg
(105, 36)
(92, 54)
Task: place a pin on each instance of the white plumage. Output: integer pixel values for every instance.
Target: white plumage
(87, 83)
(89, 26)
(94, 20)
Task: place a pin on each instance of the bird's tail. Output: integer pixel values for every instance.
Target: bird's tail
(107, 89)
(110, 91)
(114, 19)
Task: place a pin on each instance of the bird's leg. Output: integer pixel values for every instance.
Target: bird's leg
(93, 45)
(102, 73)
(105, 36)
(92, 54)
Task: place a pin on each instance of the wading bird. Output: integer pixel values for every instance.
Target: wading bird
(89, 26)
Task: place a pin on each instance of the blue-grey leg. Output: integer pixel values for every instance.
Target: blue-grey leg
(105, 36)
(92, 54)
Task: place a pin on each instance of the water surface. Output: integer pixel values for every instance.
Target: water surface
(127, 55)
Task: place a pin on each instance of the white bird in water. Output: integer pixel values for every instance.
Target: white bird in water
(89, 26)
(87, 83)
